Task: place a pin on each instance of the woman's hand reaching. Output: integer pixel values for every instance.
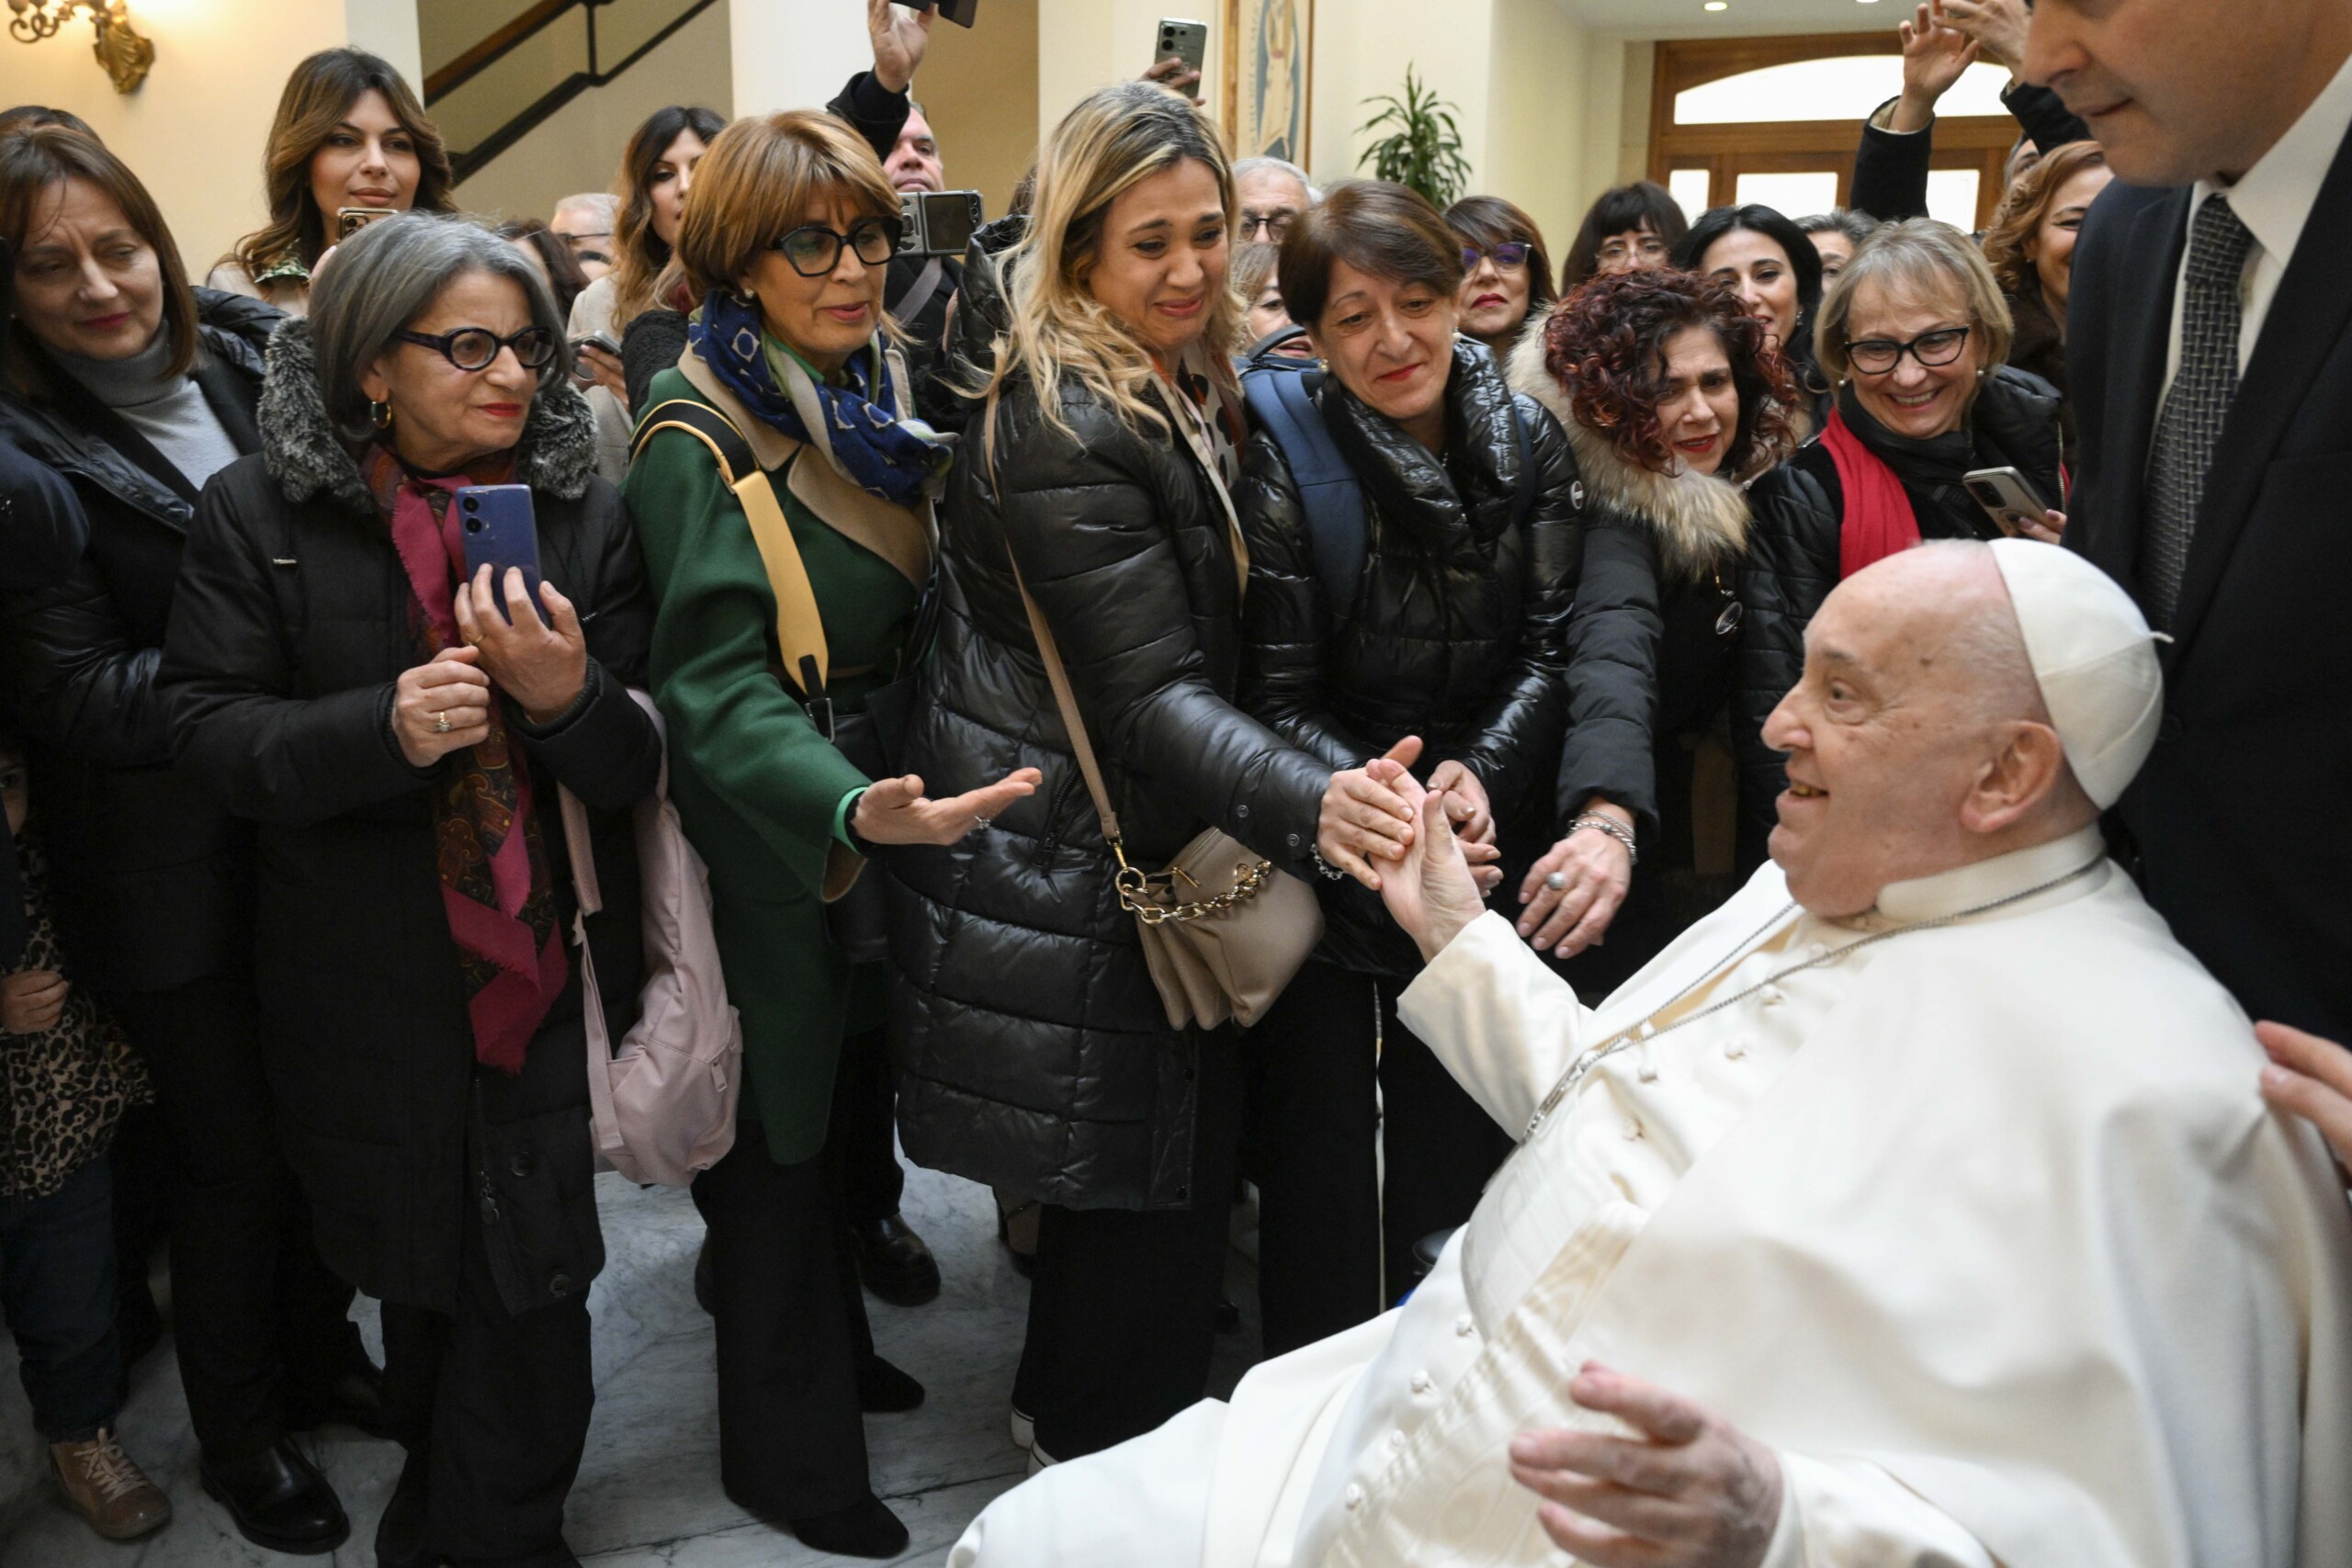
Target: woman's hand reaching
(896, 811)
(1594, 871)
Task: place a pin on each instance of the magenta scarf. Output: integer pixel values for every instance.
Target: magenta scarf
(495, 884)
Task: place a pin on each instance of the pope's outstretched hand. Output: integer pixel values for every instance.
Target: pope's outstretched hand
(1688, 1491)
(1432, 893)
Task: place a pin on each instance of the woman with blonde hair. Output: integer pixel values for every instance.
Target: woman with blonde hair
(787, 243)
(349, 136)
(657, 171)
(1036, 1055)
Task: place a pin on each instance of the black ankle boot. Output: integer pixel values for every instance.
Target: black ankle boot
(862, 1529)
(278, 1499)
(883, 1389)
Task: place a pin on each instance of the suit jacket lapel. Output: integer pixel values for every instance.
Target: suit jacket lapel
(2140, 329)
(2305, 323)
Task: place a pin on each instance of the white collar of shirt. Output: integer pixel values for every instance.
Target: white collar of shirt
(2274, 200)
(1982, 882)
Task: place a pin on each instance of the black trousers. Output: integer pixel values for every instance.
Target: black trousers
(866, 1108)
(1361, 1144)
(1122, 1304)
(792, 1333)
(259, 1323)
(497, 1405)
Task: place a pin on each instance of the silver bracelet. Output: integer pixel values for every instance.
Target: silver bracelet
(1324, 868)
(1614, 829)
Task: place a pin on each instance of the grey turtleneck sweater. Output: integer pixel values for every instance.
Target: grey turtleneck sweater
(169, 410)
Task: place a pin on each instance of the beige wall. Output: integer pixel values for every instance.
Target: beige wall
(975, 86)
(194, 131)
(1535, 140)
(580, 147)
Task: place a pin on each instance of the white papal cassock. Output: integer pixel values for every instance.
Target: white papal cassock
(1983, 1228)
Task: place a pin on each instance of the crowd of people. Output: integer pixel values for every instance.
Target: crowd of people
(1630, 598)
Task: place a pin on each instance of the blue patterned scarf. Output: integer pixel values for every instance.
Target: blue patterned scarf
(899, 460)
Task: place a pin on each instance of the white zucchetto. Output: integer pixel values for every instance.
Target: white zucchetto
(2094, 657)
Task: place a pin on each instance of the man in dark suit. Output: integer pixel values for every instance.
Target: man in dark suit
(2210, 349)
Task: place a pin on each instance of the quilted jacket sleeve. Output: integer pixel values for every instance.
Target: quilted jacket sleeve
(1613, 671)
(1286, 619)
(79, 678)
(1791, 566)
(1520, 733)
(1087, 527)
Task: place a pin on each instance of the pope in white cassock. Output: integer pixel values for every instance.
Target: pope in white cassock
(1915, 1208)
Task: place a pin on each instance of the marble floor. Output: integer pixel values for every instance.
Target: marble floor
(648, 1494)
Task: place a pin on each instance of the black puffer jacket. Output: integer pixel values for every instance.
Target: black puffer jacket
(292, 625)
(153, 878)
(1455, 631)
(1793, 560)
(1034, 1051)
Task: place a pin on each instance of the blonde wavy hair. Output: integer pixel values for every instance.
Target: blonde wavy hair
(1116, 138)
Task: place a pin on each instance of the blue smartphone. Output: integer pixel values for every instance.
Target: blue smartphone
(496, 523)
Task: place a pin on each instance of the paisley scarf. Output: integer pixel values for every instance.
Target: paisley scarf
(495, 884)
(853, 425)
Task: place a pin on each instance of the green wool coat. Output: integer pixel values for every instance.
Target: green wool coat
(757, 787)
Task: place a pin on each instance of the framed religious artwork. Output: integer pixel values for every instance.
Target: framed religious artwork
(1269, 51)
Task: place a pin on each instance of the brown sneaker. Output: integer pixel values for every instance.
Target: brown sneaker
(102, 1485)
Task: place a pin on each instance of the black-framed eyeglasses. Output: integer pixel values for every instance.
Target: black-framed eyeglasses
(812, 250)
(1509, 256)
(476, 348)
(1877, 356)
(1276, 223)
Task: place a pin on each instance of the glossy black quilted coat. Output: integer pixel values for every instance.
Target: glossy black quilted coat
(1034, 1052)
(1453, 631)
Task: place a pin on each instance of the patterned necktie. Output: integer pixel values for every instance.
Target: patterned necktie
(2202, 390)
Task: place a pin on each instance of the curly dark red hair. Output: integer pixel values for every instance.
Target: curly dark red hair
(1605, 344)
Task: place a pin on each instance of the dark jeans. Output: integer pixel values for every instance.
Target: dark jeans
(259, 1322)
(792, 1333)
(1123, 1305)
(57, 1286)
(866, 1104)
(1343, 1096)
(498, 1405)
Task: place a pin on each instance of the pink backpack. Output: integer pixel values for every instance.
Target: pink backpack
(663, 1106)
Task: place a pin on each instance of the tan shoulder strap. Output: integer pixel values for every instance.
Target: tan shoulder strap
(1050, 656)
(799, 629)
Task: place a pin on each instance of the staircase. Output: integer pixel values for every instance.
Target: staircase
(542, 55)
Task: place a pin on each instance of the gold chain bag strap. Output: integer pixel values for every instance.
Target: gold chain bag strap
(1222, 930)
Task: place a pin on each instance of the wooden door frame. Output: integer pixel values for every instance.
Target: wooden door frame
(1966, 142)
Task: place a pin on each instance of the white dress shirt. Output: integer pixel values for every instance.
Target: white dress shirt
(2274, 200)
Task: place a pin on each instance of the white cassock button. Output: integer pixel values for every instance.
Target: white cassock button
(1735, 1047)
(1646, 1030)
(1463, 1326)
(1647, 1071)
(1353, 1497)
(1633, 1129)
(1395, 1439)
(1771, 996)
(1423, 1382)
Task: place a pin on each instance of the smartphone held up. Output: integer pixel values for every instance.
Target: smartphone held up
(500, 530)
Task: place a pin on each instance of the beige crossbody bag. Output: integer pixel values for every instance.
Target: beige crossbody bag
(1223, 932)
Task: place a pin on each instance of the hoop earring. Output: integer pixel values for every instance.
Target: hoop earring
(380, 414)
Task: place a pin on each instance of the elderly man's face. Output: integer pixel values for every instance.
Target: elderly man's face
(914, 162)
(1885, 735)
(1271, 202)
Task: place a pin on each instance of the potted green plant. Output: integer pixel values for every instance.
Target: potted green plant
(1422, 150)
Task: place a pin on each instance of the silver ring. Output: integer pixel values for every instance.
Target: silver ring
(978, 823)
(441, 724)
(1557, 882)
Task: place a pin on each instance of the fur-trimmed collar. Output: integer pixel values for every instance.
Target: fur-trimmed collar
(302, 452)
(1700, 520)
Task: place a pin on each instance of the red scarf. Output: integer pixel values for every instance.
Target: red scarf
(1879, 520)
(496, 885)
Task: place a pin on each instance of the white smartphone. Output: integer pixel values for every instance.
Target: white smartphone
(2008, 497)
(1180, 40)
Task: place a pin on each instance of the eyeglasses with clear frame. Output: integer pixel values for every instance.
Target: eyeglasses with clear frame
(1275, 224)
(472, 349)
(1880, 355)
(1649, 248)
(1509, 256)
(812, 250)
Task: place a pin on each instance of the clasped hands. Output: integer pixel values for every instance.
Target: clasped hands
(443, 706)
(1370, 815)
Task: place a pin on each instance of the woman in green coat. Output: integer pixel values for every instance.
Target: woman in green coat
(785, 602)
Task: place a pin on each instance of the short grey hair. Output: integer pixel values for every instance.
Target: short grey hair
(388, 275)
(1247, 166)
(603, 203)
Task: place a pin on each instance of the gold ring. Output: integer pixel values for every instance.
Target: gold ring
(441, 724)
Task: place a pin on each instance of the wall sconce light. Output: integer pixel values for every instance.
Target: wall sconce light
(125, 55)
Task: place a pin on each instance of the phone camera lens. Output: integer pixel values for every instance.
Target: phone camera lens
(473, 525)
